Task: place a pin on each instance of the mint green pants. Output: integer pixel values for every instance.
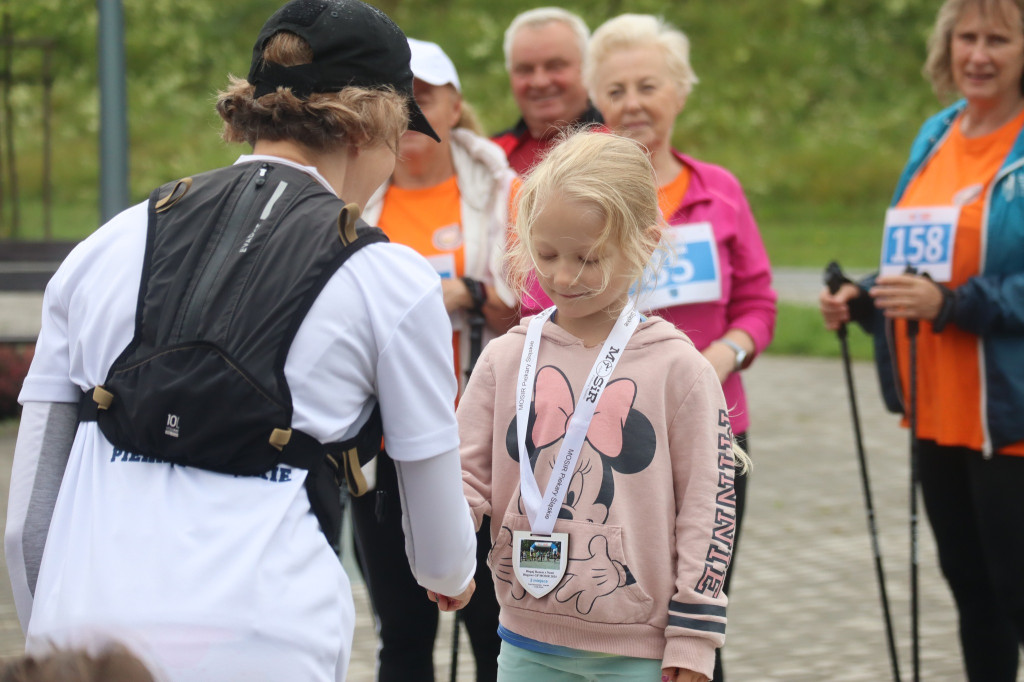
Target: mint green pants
(516, 664)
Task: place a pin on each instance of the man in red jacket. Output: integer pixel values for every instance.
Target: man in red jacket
(544, 50)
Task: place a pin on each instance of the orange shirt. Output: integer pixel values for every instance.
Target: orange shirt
(948, 364)
(428, 220)
(513, 205)
(671, 194)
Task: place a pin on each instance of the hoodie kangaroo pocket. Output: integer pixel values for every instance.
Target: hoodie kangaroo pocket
(597, 586)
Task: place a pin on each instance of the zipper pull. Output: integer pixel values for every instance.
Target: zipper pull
(261, 179)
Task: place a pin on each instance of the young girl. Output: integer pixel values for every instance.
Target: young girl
(598, 441)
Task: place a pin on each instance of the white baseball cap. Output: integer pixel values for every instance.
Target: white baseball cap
(430, 64)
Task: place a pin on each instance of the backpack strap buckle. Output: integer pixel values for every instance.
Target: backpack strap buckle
(280, 438)
(102, 397)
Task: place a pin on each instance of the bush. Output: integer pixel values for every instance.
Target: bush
(14, 362)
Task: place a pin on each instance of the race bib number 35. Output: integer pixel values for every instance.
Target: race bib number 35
(686, 270)
(921, 238)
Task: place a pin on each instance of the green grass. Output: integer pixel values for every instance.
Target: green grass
(69, 220)
(799, 330)
(808, 235)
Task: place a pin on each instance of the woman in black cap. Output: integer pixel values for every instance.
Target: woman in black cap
(222, 325)
(450, 202)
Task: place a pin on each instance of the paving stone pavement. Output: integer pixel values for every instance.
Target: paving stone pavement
(805, 605)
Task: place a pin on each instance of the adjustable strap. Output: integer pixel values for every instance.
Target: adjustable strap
(348, 219)
(92, 402)
(347, 458)
(179, 190)
(328, 465)
(302, 451)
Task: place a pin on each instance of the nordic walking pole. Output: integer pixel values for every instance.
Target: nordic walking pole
(455, 647)
(834, 278)
(476, 335)
(912, 329)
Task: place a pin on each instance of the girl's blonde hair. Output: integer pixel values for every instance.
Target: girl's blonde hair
(938, 66)
(640, 30)
(361, 117)
(610, 173)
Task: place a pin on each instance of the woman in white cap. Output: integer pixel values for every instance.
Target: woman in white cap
(171, 532)
(449, 202)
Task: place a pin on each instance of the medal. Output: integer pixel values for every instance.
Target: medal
(539, 560)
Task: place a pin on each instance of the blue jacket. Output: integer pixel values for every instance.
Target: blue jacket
(990, 304)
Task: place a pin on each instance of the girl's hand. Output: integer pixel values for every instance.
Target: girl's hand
(452, 603)
(907, 296)
(681, 675)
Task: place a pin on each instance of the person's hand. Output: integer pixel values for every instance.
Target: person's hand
(722, 358)
(456, 295)
(681, 675)
(910, 297)
(835, 308)
(452, 603)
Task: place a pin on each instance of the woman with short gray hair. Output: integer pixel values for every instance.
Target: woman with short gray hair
(716, 282)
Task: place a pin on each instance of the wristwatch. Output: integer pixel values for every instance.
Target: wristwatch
(741, 354)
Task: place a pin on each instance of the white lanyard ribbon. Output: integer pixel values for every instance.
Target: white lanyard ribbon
(543, 512)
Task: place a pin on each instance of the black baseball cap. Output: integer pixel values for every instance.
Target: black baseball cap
(354, 44)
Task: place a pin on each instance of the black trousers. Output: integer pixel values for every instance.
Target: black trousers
(741, 496)
(407, 619)
(976, 510)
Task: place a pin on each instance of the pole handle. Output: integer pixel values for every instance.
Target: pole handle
(834, 277)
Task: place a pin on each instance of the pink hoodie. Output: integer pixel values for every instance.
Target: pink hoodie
(748, 300)
(650, 507)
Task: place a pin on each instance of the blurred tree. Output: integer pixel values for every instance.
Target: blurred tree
(806, 100)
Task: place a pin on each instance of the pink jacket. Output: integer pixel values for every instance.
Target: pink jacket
(650, 507)
(748, 300)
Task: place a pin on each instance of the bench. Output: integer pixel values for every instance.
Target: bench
(27, 267)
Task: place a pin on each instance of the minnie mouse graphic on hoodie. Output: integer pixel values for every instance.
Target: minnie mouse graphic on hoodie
(650, 509)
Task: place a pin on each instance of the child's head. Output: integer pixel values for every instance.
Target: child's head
(587, 219)
(113, 663)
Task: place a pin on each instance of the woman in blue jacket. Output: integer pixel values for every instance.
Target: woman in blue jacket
(957, 216)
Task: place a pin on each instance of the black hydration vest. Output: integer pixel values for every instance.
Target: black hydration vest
(234, 260)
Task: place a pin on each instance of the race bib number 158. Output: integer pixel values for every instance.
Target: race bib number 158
(921, 238)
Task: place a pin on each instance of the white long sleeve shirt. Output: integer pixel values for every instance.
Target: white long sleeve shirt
(215, 576)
